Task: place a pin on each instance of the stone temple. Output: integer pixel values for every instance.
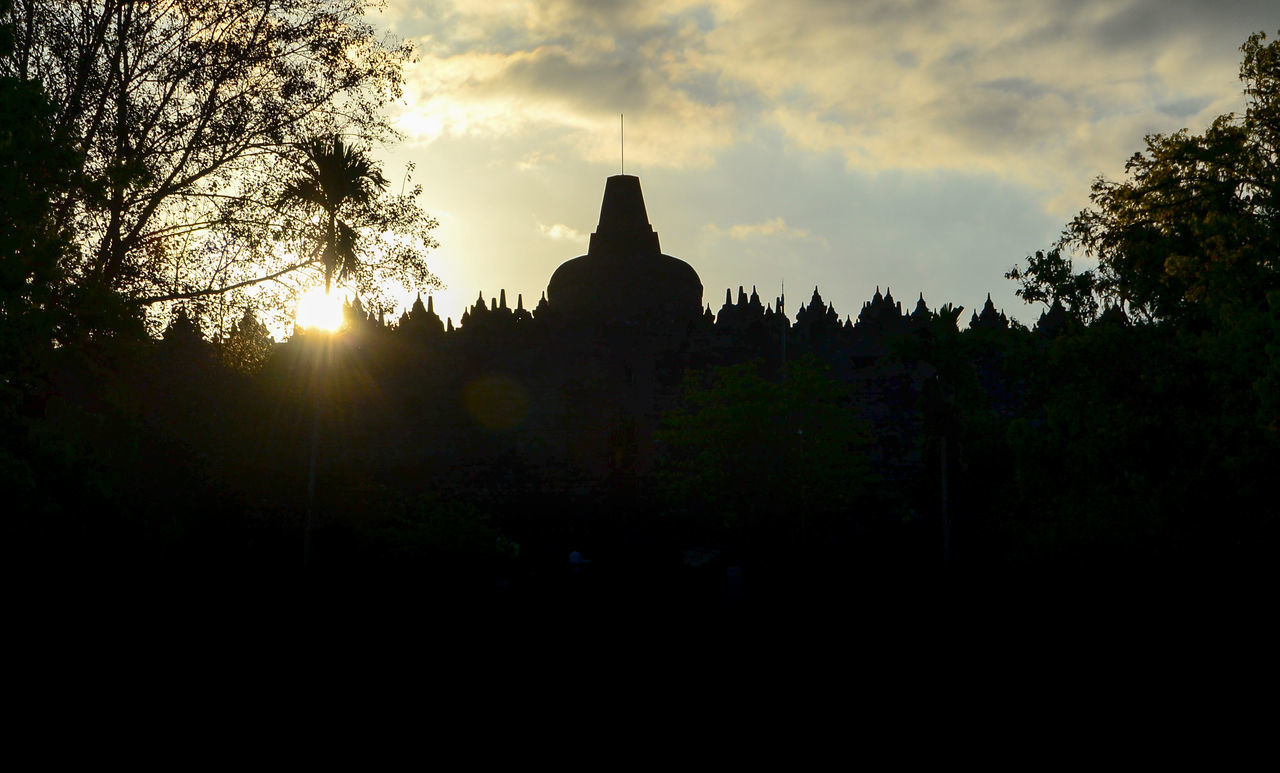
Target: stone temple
(624, 277)
(574, 391)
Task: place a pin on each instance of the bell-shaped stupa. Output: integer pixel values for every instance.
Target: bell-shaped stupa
(624, 277)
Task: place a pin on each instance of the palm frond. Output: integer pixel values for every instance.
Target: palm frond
(334, 177)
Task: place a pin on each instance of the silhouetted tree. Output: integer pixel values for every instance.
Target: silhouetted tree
(1050, 278)
(33, 169)
(786, 457)
(1194, 229)
(182, 111)
(335, 178)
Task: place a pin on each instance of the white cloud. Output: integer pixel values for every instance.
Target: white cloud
(534, 160)
(1042, 93)
(772, 228)
(562, 232)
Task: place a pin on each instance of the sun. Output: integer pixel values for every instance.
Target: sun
(319, 311)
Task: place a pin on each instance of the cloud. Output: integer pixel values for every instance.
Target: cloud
(1043, 93)
(562, 232)
(773, 228)
(535, 159)
(513, 69)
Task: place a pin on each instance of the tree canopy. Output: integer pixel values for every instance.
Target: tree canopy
(335, 177)
(744, 444)
(184, 113)
(1193, 231)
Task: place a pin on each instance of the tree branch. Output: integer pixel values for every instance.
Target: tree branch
(147, 301)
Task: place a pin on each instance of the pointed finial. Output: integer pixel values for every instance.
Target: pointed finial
(503, 302)
(520, 301)
(431, 303)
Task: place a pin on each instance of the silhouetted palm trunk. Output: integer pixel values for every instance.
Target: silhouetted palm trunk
(311, 474)
(946, 517)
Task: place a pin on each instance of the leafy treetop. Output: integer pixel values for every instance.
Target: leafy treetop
(1192, 232)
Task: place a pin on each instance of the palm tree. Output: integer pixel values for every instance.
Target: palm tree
(335, 177)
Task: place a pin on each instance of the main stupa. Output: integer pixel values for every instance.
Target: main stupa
(624, 277)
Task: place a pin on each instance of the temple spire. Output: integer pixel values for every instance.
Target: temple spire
(624, 229)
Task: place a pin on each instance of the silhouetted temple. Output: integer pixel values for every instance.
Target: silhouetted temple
(577, 385)
(624, 277)
(626, 282)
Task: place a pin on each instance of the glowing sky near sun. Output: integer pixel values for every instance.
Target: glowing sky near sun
(320, 310)
(925, 146)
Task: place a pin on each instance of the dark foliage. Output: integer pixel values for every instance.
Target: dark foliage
(824, 462)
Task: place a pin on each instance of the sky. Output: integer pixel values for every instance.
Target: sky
(915, 145)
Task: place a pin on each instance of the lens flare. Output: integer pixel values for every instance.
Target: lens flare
(319, 311)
